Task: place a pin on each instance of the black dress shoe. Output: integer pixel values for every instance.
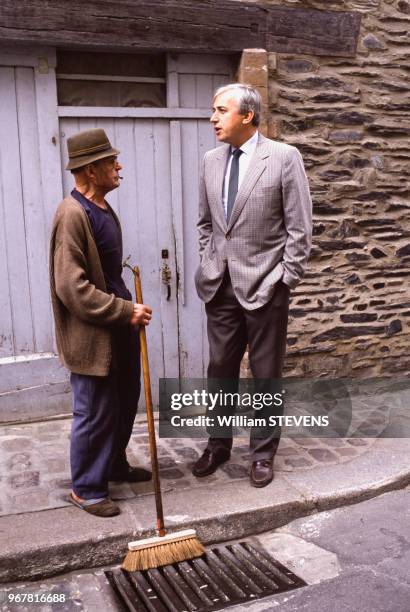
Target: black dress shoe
(209, 462)
(261, 473)
(131, 474)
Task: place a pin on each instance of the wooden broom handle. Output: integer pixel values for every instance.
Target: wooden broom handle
(150, 413)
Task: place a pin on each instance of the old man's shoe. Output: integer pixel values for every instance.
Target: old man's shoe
(131, 474)
(102, 507)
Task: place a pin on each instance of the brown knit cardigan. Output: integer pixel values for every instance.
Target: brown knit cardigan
(84, 313)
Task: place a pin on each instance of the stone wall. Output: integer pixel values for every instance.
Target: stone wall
(349, 117)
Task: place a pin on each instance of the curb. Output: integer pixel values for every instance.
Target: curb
(42, 544)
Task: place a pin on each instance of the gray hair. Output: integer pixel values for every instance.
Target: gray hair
(249, 99)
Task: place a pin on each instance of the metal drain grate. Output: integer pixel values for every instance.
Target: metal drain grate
(224, 576)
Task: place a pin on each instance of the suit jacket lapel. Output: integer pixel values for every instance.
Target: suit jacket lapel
(256, 166)
(218, 174)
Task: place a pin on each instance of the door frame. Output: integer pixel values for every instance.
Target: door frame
(37, 383)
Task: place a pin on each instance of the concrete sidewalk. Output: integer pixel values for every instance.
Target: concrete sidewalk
(42, 534)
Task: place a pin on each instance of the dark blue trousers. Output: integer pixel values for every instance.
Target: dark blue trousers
(104, 409)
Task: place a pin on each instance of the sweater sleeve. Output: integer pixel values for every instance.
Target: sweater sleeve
(72, 285)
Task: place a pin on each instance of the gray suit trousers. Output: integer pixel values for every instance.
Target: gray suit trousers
(230, 329)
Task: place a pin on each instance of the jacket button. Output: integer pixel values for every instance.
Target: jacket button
(228, 236)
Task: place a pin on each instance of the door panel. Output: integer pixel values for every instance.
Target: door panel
(157, 203)
(196, 138)
(25, 310)
(143, 203)
(198, 77)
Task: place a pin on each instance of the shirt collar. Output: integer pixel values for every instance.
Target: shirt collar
(87, 204)
(81, 199)
(249, 146)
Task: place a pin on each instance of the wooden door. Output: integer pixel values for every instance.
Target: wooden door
(30, 188)
(157, 202)
(161, 150)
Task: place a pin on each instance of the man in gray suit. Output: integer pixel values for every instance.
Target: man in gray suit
(254, 241)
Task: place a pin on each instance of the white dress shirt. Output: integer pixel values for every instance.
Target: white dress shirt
(248, 149)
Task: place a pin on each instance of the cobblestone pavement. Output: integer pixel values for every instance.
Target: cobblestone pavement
(35, 474)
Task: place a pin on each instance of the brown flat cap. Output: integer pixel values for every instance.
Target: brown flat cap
(87, 147)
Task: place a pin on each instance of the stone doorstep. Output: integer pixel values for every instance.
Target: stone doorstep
(41, 544)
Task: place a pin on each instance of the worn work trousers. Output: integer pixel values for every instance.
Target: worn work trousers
(104, 409)
(230, 329)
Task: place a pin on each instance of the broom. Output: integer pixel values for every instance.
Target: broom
(165, 548)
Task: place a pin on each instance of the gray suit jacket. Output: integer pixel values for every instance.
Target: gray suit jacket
(269, 232)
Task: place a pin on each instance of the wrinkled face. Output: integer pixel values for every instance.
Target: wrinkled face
(229, 124)
(105, 173)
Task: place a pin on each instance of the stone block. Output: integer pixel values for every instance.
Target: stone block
(360, 317)
(272, 62)
(295, 65)
(55, 465)
(171, 474)
(372, 43)
(235, 470)
(352, 118)
(298, 462)
(322, 455)
(24, 480)
(346, 333)
(253, 68)
(404, 7)
(403, 251)
(344, 136)
(18, 462)
(394, 327)
(36, 499)
(186, 453)
(166, 462)
(274, 128)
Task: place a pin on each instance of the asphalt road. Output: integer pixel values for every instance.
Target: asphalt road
(355, 559)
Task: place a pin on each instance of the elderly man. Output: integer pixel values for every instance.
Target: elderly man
(254, 241)
(96, 325)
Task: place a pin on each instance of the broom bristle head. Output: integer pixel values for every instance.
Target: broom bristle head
(163, 554)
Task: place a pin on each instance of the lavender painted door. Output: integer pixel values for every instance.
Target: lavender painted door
(31, 377)
(157, 203)
(161, 150)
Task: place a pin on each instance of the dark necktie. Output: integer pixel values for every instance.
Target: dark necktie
(233, 182)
